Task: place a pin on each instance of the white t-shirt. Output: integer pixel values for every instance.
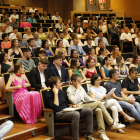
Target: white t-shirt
(93, 43)
(98, 92)
(126, 36)
(31, 10)
(55, 18)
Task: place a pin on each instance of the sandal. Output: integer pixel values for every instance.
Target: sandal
(120, 131)
(130, 119)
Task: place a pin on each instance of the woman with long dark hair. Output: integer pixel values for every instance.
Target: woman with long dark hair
(75, 69)
(102, 55)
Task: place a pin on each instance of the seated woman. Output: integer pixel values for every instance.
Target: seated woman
(5, 67)
(102, 54)
(93, 23)
(60, 47)
(121, 67)
(103, 19)
(74, 55)
(44, 17)
(98, 93)
(55, 33)
(77, 31)
(28, 104)
(45, 46)
(90, 68)
(50, 38)
(40, 32)
(135, 33)
(134, 26)
(65, 63)
(66, 34)
(100, 44)
(75, 69)
(102, 27)
(15, 51)
(24, 23)
(105, 68)
(5, 43)
(115, 53)
(28, 33)
(91, 55)
(135, 62)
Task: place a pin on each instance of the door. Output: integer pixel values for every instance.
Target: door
(79, 5)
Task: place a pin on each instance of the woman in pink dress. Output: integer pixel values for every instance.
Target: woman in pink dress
(28, 104)
(24, 23)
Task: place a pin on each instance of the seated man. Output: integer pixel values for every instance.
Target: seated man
(39, 76)
(13, 35)
(60, 24)
(65, 42)
(21, 42)
(2, 29)
(126, 37)
(14, 15)
(77, 95)
(42, 54)
(31, 19)
(130, 84)
(56, 99)
(56, 16)
(33, 9)
(58, 70)
(114, 31)
(75, 46)
(38, 42)
(89, 44)
(31, 43)
(9, 28)
(5, 128)
(130, 105)
(14, 23)
(100, 36)
(26, 61)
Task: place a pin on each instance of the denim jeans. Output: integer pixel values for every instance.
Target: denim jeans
(134, 109)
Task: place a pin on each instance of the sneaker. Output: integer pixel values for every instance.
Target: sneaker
(117, 125)
(89, 137)
(103, 137)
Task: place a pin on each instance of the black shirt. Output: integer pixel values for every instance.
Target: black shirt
(49, 101)
(127, 83)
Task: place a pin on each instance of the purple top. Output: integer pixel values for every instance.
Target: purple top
(81, 62)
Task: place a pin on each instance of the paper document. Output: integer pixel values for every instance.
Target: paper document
(131, 97)
(111, 91)
(71, 109)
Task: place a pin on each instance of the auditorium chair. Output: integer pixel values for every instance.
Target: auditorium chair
(135, 48)
(6, 50)
(14, 9)
(86, 15)
(112, 15)
(127, 18)
(33, 29)
(45, 29)
(76, 15)
(94, 14)
(48, 14)
(110, 47)
(137, 21)
(20, 29)
(35, 24)
(53, 49)
(40, 21)
(46, 25)
(49, 21)
(127, 55)
(105, 15)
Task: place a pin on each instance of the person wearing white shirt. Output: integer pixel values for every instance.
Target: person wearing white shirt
(60, 24)
(14, 15)
(13, 35)
(137, 40)
(126, 37)
(135, 33)
(77, 95)
(56, 16)
(102, 27)
(78, 24)
(65, 42)
(32, 10)
(9, 29)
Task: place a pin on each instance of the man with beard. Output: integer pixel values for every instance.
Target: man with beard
(26, 61)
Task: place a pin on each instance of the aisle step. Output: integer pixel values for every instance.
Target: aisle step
(4, 109)
(22, 131)
(42, 137)
(4, 118)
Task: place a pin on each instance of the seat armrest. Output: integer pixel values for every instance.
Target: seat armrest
(47, 109)
(8, 91)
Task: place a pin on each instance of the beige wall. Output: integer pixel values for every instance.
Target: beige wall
(79, 5)
(131, 8)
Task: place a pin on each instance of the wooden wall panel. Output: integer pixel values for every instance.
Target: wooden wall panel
(131, 8)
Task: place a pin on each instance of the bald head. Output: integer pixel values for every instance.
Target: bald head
(13, 20)
(126, 29)
(19, 36)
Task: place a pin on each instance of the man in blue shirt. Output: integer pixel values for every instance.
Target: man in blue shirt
(100, 36)
(75, 46)
(38, 42)
(31, 19)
